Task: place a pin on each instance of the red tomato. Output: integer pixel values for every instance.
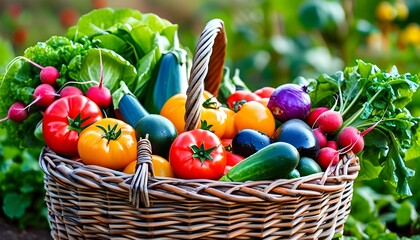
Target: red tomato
(265, 92)
(197, 154)
(231, 158)
(236, 99)
(63, 121)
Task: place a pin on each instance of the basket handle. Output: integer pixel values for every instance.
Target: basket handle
(206, 73)
(138, 193)
(207, 69)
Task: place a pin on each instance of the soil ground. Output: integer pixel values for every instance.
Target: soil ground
(9, 231)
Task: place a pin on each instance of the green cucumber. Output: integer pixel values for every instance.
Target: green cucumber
(274, 161)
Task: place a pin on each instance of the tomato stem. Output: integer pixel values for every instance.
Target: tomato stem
(238, 105)
(210, 103)
(110, 133)
(76, 123)
(206, 126)
(202, 153)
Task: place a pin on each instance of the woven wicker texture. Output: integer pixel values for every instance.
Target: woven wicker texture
(91, 202)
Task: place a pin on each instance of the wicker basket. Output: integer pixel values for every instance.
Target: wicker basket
(91, 202)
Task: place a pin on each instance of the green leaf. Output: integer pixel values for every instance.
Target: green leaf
(368, 94)
(406, 214)
(14, 204)
(115, 68)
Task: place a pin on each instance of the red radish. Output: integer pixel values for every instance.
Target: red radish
(322, 139)
(44, 95)
(99, 93)
(350, 137)
(314, 115)
(48, 75)
(330, 121)
(17, 113)
(69, 91)
(327, 156)
(332, 144)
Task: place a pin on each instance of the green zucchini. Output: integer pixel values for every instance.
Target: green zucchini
(171, 79)
(274, 161)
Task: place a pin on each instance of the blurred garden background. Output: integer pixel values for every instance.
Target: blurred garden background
(271, 42)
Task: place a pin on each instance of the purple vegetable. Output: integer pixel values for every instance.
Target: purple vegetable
(290, 101)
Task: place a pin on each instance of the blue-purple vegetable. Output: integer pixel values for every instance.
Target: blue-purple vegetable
(290, 101)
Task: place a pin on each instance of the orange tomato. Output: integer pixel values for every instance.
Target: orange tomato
(254, 115)
(108, 142)
(161, 167)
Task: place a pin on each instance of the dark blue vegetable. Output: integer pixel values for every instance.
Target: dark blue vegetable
(249, 141)
(300, 135)
(171, 79)
(131, 109)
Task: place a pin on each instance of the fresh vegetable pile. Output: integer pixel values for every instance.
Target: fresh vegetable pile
(120, 75)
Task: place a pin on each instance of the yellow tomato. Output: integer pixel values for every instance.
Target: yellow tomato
(254, 115)
(161, 167)
(174, 110)
(108, 142)
(230, 131)
(213, 118)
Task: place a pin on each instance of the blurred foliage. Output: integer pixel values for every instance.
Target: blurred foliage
(271, 42)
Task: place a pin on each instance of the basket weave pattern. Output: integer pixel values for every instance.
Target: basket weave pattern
(92, 202)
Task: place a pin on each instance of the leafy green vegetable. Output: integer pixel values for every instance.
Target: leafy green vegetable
(139, 38)
(115, 69)
(21, 78)
(366, 95)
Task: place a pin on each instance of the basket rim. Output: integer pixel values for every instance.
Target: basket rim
(76, 174)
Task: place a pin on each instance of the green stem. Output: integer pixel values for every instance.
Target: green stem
(353, 102)
(353, 118)
(110, 133)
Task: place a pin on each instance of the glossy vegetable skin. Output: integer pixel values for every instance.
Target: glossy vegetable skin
(161, 167)
(300, 135)
(63, 121)
(290, 101)
(197, 154)
(277, 160)
(108, 142)
(171, 79)
(249, 141)
(211, 112)
(131, 110)
(256, 116)
(231, 158)
(236, 99)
